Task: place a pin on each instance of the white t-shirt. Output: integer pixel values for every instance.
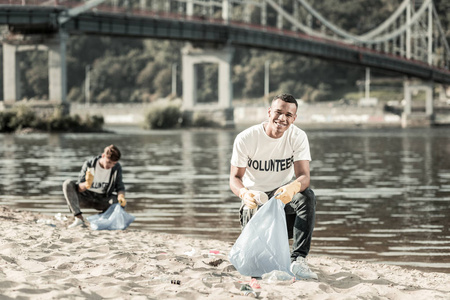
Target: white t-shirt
(269, 161)
(101, 179)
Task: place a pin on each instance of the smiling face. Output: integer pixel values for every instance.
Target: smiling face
(281, 115)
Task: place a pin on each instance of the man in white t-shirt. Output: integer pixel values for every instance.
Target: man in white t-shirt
(98, 186)
(265, 160)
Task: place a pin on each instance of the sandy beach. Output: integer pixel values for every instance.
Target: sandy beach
(41, 259)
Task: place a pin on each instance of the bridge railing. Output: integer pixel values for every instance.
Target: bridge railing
(31, 3)
(423, 41)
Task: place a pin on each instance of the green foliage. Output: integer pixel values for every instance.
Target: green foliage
(34, 73)
(292, 87)
(357, 16)
(208, 83)
(204, 121)
(163, 116)
(443, 10)
(5, 121)
(163, 82)
(94, 121)
(76, 95)
(24, 117)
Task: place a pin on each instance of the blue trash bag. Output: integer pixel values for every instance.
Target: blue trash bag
(114, 218)
(263, 245)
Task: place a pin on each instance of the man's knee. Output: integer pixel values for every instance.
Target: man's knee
(69, 185)
(305, 199)
(309, 196)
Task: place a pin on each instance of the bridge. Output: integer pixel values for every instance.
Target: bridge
(411, 42)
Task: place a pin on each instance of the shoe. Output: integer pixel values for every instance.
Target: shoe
(76, 223)
(301, 270)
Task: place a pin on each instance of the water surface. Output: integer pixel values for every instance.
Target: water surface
(383, 195)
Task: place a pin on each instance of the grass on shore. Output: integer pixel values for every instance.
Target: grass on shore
(23, 118)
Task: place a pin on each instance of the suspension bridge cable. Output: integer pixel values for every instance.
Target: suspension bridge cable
(363, 39)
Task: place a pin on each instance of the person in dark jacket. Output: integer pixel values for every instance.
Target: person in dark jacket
(99, 185)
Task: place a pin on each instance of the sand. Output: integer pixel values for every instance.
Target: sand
(40, 258)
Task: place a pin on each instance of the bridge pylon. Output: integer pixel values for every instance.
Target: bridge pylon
(416, 116)
(55, 45)
(220, 112)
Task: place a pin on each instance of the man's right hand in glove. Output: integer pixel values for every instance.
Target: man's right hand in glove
(248, 197)
(89, 179)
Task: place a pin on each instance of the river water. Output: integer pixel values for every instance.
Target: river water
(383, 195)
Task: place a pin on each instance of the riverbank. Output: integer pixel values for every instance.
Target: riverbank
(318, 114)
(41, 259)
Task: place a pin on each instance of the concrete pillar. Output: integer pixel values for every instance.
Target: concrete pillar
(407, 96)
(429, 107)
(189, 77)
(190, 58)
(11, 74)
(410, 118)
(174, 79)
(225, 84)
(367, 84)
(57, 69)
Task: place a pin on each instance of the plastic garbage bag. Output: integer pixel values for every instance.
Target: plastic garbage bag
(278, 277)
(263, 245)
(114, 218)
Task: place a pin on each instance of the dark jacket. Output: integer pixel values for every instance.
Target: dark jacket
(115, 181)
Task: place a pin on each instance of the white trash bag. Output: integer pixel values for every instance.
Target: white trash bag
(114, 218)
(263, 245)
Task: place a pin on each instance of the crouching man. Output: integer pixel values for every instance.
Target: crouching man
(99, 185)
(272, 158)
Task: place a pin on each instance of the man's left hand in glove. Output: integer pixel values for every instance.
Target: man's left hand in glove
(286, 192)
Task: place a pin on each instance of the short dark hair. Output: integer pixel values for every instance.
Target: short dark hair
(112, 152)
(286, 98)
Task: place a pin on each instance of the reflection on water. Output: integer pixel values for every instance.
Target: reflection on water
(383, 194)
